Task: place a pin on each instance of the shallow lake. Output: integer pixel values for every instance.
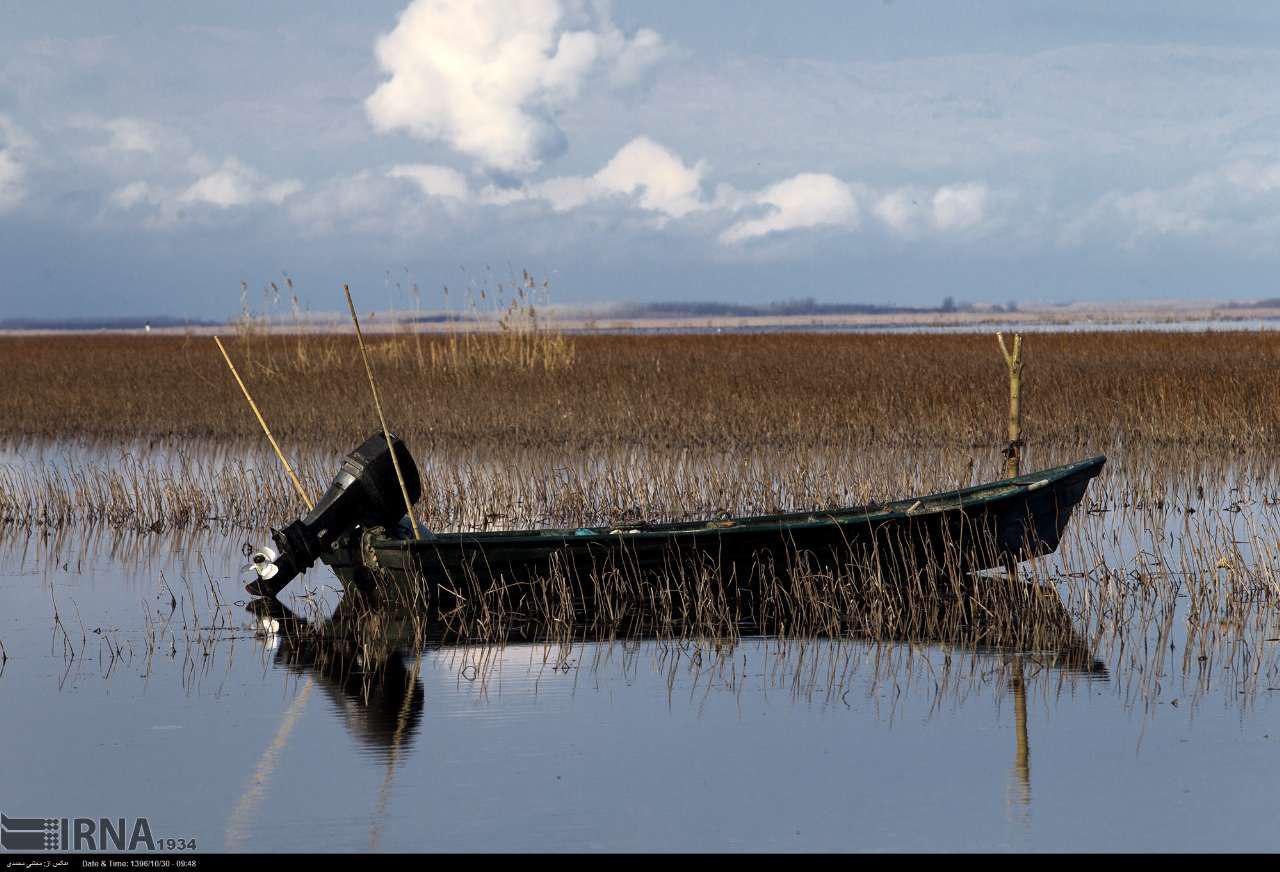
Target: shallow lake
(136, 683)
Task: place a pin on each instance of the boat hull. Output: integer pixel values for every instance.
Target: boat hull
(984, 527)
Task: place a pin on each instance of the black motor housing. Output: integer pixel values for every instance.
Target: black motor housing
(365, 493)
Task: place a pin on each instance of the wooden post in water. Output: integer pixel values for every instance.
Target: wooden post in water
(1013, 360)
(1022, 751)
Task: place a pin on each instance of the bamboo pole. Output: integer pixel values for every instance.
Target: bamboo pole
(297, 485)
(1013, 361)
(377, 404)
(260, 777)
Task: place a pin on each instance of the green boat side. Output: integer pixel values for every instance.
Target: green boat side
(968, 498)
(995, 524)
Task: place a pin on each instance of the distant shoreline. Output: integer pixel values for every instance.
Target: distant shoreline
(1146, 315)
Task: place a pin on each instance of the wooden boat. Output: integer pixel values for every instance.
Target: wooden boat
(976, 528)
(356, 526)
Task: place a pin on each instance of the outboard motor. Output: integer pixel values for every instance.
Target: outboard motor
(364, 493)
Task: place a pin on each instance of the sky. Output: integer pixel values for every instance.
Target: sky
(155, 156)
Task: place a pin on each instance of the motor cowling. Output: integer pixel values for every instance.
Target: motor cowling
(364, 493)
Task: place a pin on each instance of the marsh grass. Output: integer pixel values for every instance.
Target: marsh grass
(498, 330)
(1170, 574)
(519, 342)
(722, 392)
(648, 426)
(1166, 589)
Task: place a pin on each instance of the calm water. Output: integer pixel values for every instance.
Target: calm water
(218, 730)
(1208, 325)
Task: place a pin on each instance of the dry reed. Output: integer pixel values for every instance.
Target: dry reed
(1177, 535)
(725, 392)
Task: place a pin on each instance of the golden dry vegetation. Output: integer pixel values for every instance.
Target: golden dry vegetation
(555, 430)
(705, 392)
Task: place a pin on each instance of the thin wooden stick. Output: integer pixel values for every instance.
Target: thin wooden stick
(1013, 360)
(265, 429)
(377, 404)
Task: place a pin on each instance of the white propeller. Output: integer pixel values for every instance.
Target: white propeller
(263, 562)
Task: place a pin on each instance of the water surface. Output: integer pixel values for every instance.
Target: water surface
(138, 684)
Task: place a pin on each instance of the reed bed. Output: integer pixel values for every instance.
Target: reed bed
(224, 488)
(477, 490)
(659, 427)
(1162, 593)
(1170, 575)
(1156, 602)
(709, 392)
(1166, 589)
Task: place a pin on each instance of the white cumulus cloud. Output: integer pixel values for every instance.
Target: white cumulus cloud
(1251, 176)
(643, 173)
(135, 194)
(486, 76)
(11, 190)
(632, 58)
(660, 178)
(959, 207)
(802, 201)
(125, 147)
(133, 134)
(234, 184)
(12, 172)
(230, 185)
(366, 202)
(1234, 205)
(646, 176)
(910, 211)
(901, 210)
(435, 181)
(643, 178)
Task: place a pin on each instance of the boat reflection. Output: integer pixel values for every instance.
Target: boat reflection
(357, 656)
(366, 656)
(360, 658)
